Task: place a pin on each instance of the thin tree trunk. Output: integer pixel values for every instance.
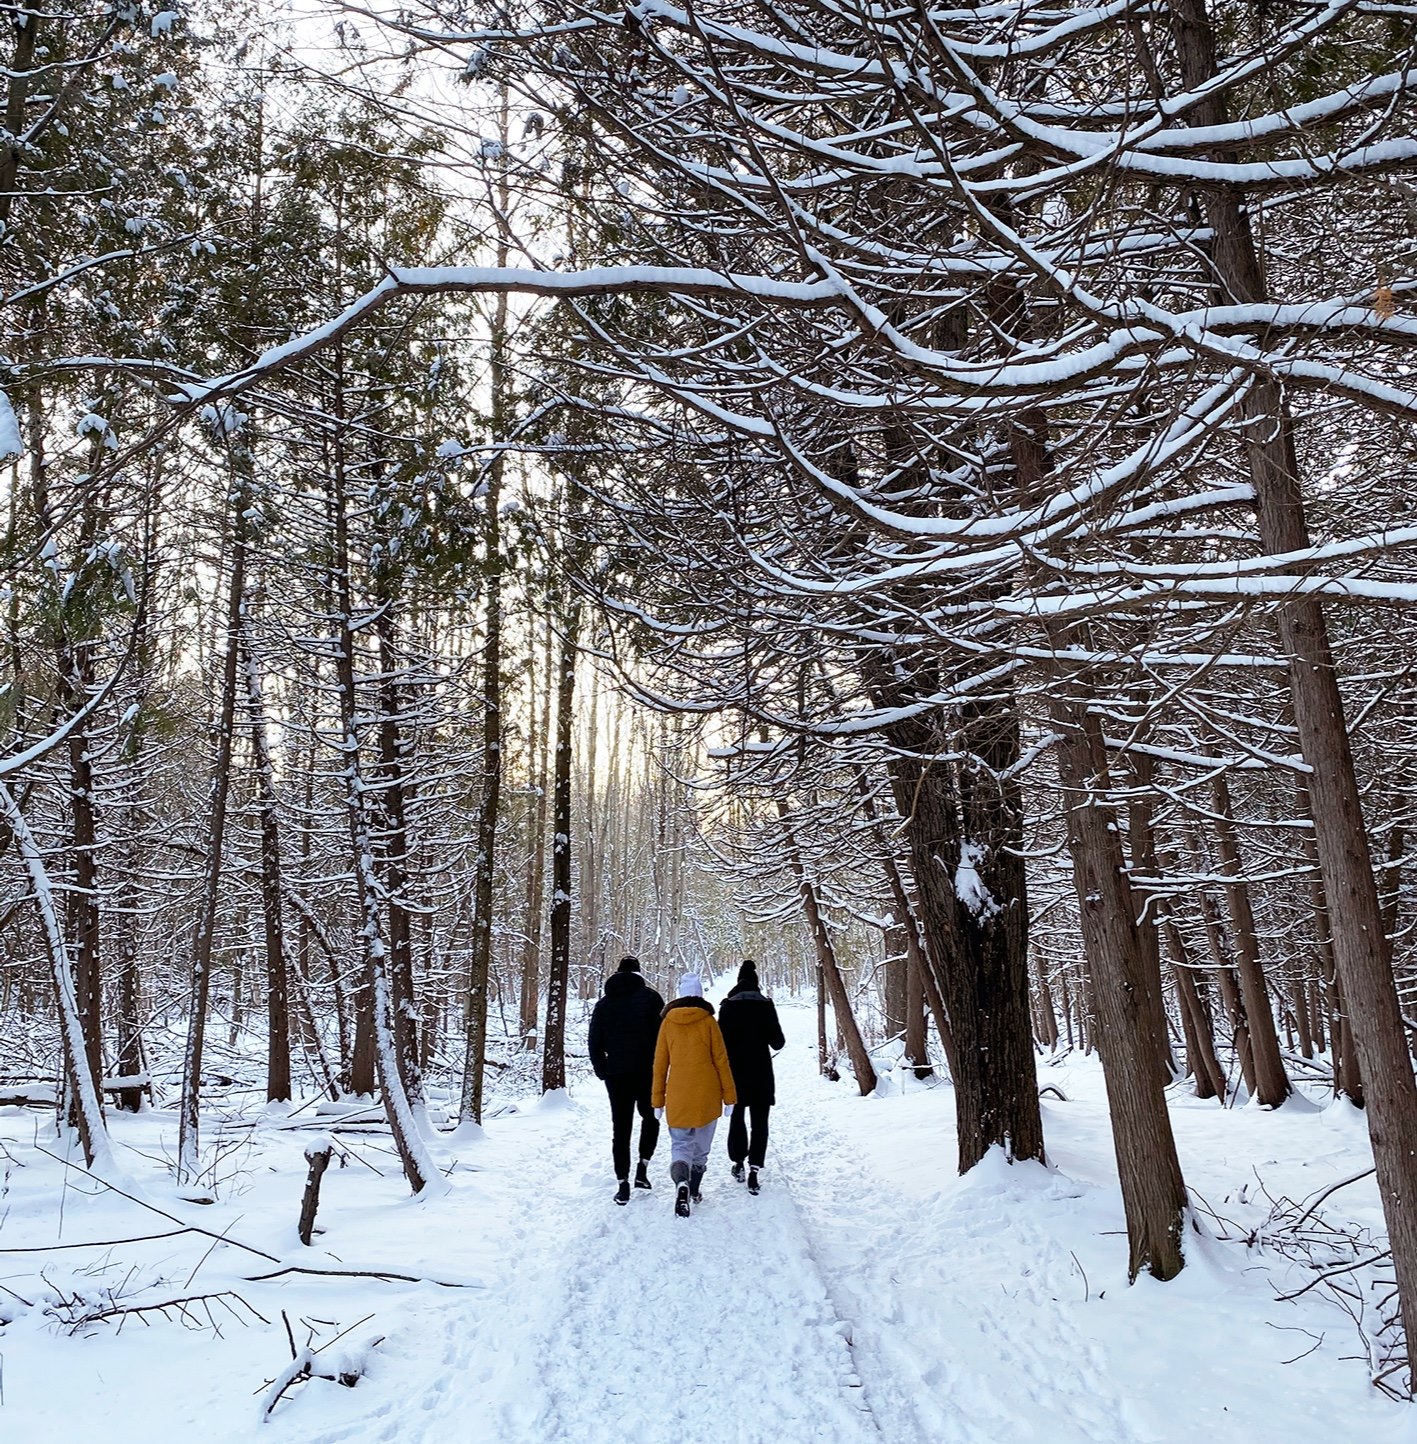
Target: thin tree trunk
(88, 1105)
(418, 1166)
(1142, 841)
(1153, 1193)
(489, 808)
(189, 1115)
(927, 969)
(396, 793)
(846, 1024)
(272, 891)
(825, 1066)
(536, 875)
(1271, 1081)
(1209, 1075)
(553, 1058)
(1347, 1079)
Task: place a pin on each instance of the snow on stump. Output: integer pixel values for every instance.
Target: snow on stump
(317, 1155)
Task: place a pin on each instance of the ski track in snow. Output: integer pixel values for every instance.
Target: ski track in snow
(1011, 1332)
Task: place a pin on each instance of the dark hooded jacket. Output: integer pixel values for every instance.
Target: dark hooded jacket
(624, 1027)
(751, 1032)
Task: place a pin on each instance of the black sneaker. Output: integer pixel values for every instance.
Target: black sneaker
(752, 1180)
(622, 1194)
(642, 1174)
(738, 1173)
(681, 1200)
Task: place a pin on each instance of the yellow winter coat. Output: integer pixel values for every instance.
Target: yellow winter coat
(692, 1079)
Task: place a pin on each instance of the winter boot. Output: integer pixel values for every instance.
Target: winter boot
(642, 1174)
(622, 1194)
(679, 1172)
(738, 1172)
(696, 1177)
(752, 1180)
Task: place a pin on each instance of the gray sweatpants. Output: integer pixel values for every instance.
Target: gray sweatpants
(691, 1145)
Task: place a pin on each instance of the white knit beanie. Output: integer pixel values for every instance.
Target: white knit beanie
(690, 986)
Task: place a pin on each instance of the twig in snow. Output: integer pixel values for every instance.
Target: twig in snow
(1086, 1289)
(1332, 1189)
(386, 1274)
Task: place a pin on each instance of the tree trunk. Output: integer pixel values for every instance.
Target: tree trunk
(189, 1116)
(418, 1166)
(1142, 841)
(1271, 1081)
(553, 1057)
(1347, 1080)
(87, 1103)
(984, 993)
(825, 1066)
(1209, 1075)
(489, 807)
(396, 793)
(926, 974)
(836, 989)
(536, 873)
(272, 892)
(1153, 1194)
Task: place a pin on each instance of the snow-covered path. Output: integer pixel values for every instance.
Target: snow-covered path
(613, 1323)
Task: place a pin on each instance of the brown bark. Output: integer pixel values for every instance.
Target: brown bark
(925, 969)
(1153, 1193)
(835, 984)
(1347, 1080)
(536, 872)
(1141, 837)
(1200, 1035)
(318, 1158)
(376, 1004)
(396, 794)
(1272, 1085)
(984, 988)
(825, 1066)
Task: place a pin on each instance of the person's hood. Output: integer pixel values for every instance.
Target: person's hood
(745, 995)
(688, 1011)
(618, 984)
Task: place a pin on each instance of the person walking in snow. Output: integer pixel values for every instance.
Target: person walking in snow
(692, 1085)
(751, 1033)
(623, 1028)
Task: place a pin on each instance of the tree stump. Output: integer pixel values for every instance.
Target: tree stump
(317, 1155)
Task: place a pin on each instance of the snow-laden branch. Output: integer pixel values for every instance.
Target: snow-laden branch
(511, 280)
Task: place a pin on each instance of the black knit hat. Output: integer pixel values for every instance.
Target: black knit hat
(629, 964)
(748, 974)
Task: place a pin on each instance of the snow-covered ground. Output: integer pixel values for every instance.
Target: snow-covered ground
(868, 1293)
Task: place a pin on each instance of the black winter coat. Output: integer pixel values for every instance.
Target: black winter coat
(750, 1033)
(624, 1027)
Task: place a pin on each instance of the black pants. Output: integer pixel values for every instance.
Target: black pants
(739, 1147)
(628, 1092)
